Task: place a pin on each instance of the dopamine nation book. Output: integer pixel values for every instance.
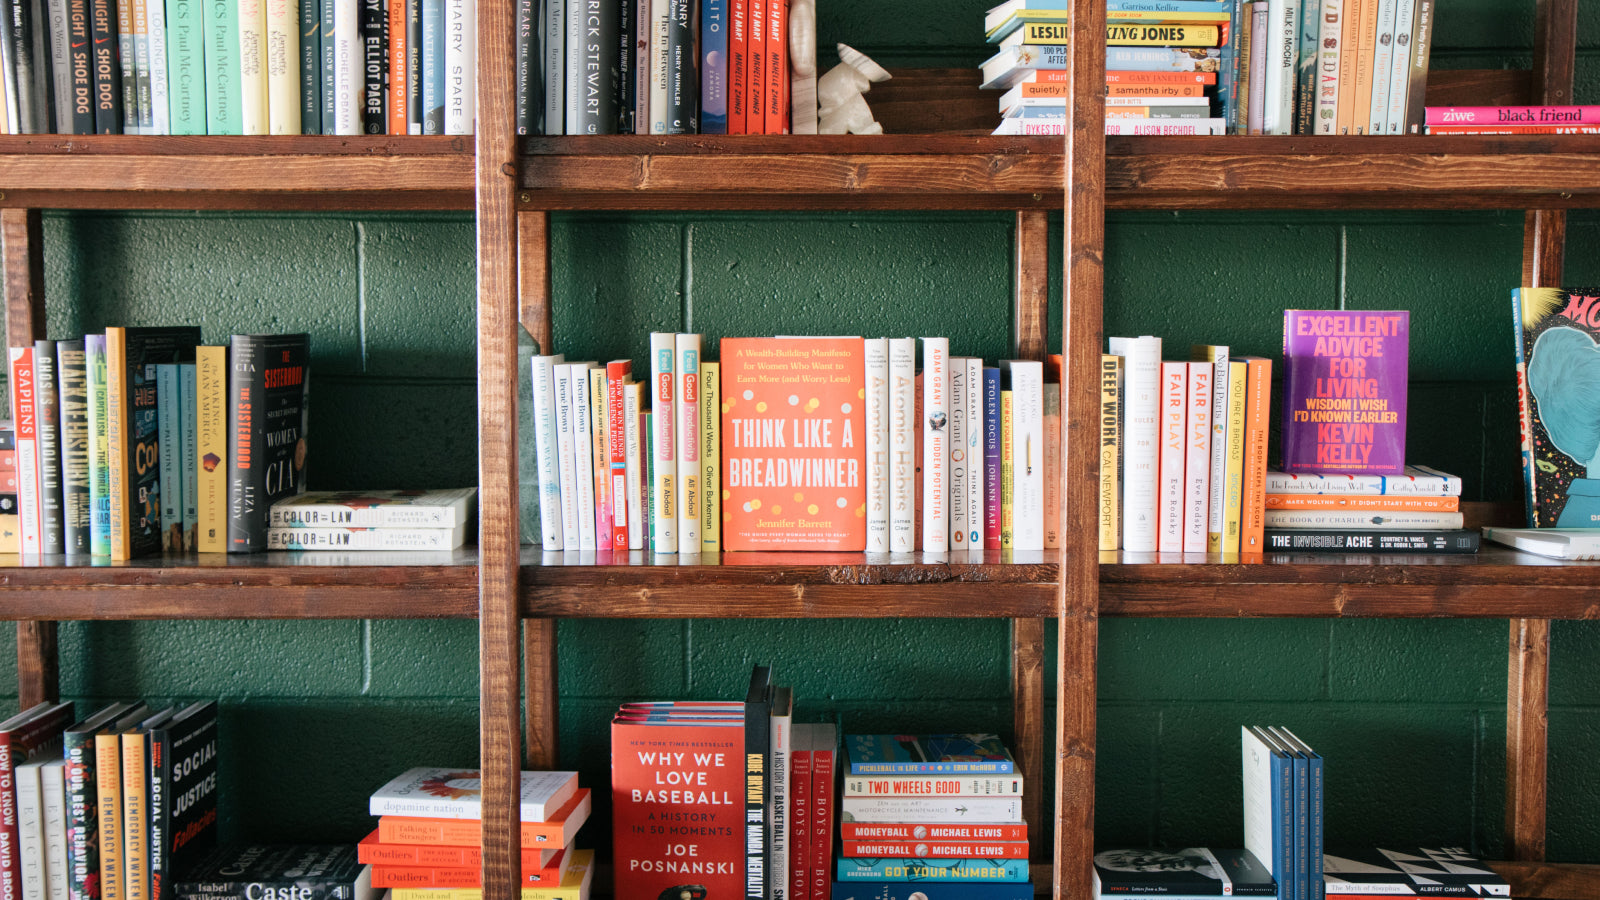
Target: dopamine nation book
(794, 444)
(1558, 371)
(1344, 391)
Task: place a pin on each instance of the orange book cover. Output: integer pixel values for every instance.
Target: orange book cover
(398, 99)
(372, 850)
(1381, 502)
(558, 831)
(1257, 410)
(794, 444)
(1126, 90)
(385, 875)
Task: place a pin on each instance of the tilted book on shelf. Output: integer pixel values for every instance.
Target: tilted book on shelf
(1558, 352)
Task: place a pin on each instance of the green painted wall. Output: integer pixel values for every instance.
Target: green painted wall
(1409, 714)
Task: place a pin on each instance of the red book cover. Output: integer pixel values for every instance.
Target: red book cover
(756, 77)
(401, 876)
(677, 799)
(23, 410)
(618, 372)
(777, 109)
(823, 755)
(871, 831)
(1253, 508)
(800, 788)
(794, 444)
(374, 851)
(738, 64)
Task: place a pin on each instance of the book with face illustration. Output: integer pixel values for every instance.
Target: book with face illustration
(1558, 398)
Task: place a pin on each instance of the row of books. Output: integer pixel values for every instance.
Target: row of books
(427, 844)
(140, 441)
(1283, 809)
(797, 444)
(110, 806)
(663, 67)
(372, 520)
(250, 67)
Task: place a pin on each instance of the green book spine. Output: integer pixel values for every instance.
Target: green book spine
(186, 70)
(221, 24)
(169, 456)
(310, 66)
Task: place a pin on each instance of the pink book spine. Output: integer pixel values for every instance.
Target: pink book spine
(600, 391)
(617, 372)
(800, 788)
(1174, 450)
(1512, 115)
(1197, 464)
(916, 431)
(821, 851)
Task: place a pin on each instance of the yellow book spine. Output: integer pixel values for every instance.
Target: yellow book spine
(710, 457)
(1136, 35)
(211, 449)
(1006, 471)
(135, 821)
(117, 441)
(1233, 498)
(1110, 451)
(108, 791)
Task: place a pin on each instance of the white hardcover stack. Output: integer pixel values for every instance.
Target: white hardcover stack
(372, 520)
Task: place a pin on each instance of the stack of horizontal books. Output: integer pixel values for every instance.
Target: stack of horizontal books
(372, 520)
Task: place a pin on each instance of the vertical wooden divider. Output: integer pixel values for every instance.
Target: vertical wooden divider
(1528, 666)
(22, 237)
(499, 657)
(1031, 284)
(1078, 597)
(540, 748)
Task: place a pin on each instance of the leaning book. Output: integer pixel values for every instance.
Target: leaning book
(1558, 361)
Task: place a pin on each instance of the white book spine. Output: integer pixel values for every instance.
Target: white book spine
(1382, 66)
(1284, 27)
(1141, 438)
(252, 65)
(960, 462)
(160, 97)
(877, 410)
(658, 65)
(1051, 508)
(348, 80)
(564, 451)
(687, 422)
(1361, 519)
(555, 67)
(1027, 454)
(902, 444)
(665, 505)
(631, 393)
(576, 12)
(30, 831)
(53, 789)
(549, 457)
(283, 65)
(779, 804)
(1215, 507)
(975, 468)
(935, 444)
(1174, 451)
(460, 61)
(1327, 121)
(1257, 771)
(583, 454)
(25, 410)
(1197, 463)
(1400, 68)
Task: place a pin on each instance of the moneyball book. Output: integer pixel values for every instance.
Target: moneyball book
(794, 444)
(458, 794)
(1344, 391)
(1558, 360)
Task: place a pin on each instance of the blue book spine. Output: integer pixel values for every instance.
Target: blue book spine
(924, 870)
(94, 355)
(169, 455)
(713, 66)
(433, 66)
(929, 890)
(1314, 876)
(991, 457)
(1228, 74)
(1302, 826)
(1283, 823)
(188, 467)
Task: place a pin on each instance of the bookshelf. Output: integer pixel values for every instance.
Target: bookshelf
(935, 161)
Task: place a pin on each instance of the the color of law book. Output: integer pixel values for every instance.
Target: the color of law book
(557, 831)
(574, 886)
(456, 794)
(334, 538)
(1192, 871)
(794, 444)
(253, 871)
(375, 509)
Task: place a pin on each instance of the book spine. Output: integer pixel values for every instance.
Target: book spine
(1110, 451)
(876, 353)
(73, 381)
(686, 419)
(79, 68)
(713, 66)
(411, 85)
(986, 851)
(1140, 440)
(47, 410)
(30, 835)
(948, 870)
(638, 528)
(898, 831)
(931, 786)
(642, 42)
(566, 455)
(169, 457)
(583, 455)
(1356, 519)
(1278, 71)
(363, 539)
(1197, 462)
(108, 818)
(105, 68)
(1415, 482)
(1233, 489)
(1382, 64)
(253, 102)
(1258, 404)
(572, 74)
(957, 460)
(349, 81)
(1394, 118)
(647, 487)
(775, 80)
(529, 87)
(53, 795)
(1051, 508)
(191, 769)
(600, 78)
(1347, 540)
(83, 842)
(1027, 478)
(374, 66)
(824, 762)
(135, 818)
(54, 34)
(902, 444)
(328, 66)
(976, 460)
(738, 65)
(189, 454)
(1327, 69)
(1216, 502)
(935, 444)
(801, 788)
(599, 430)
(1349, 37)
(683, 102)
(1382, 502)
(460, 57)
(1306, 67)
(24, 411)
(616, 444)
(141, 66)
(127, 57)
(755, 117)
(1228, 74)
(399, 50)
(627, 29)
(309, 62)
(757, 745)
(552, 64)
(660, 18)
(431, 71)
(551, 507)
(1421, 54)
(1366, 49)
(663, 379)
(185, 69)
(160, 92)
(268, 396)
(1247, 100)
(222, 76)
(710, 457)
(211, 449)
(991, 458)
(159, 812)
(779, 811)
(1174, 451)
(95, 362)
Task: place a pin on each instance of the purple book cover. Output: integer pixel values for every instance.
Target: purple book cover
(991, 459)
(1344, 391)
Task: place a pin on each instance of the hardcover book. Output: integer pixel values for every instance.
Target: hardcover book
(303, 871)
(48, 405)
(903, 869)
(456, 794)
(1194, 871)
(908, 754)
(183, 764)
(133, 438)
(901, 831)
(1344, 391)
(927, 890)
(83, 836)
(376, 509)
(794, 444)
(1412, 872)
(373, 849)
(1558, 346)
(26, 735)
(558, 831)
(267, 414)
(574, 885)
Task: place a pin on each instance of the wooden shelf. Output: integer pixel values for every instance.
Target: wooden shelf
(319, 585)
(231, 172)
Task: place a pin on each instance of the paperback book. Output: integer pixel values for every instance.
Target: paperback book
(302, 871)
(909, 754)
(1194, 871)
(1558, 357)
(457, 794)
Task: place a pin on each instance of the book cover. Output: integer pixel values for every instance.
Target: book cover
(1174, 453)
(189, 452)
(373, 850)
(182, 764)
(305, 871)
(1349, 540)
(652, 820)
(903, 428)
(47, 403)
(905, 869)
(169, 459)
(132, 433)
(558, 831)
(936, 754)
(1193, 871)
(1412, 871)
(267, 415)
(794, 451)
(931, 786)
(211, 448)
(901, 831)
(1556, 332)
(25, 415)
(83, 833)
(455, 794)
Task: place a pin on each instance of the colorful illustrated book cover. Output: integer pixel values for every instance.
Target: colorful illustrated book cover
(908, 754)
(794, 444)
(1558, 371)
(1344, 391)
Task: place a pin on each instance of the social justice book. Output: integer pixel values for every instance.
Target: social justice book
(1344, 391)
(1557, 359)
